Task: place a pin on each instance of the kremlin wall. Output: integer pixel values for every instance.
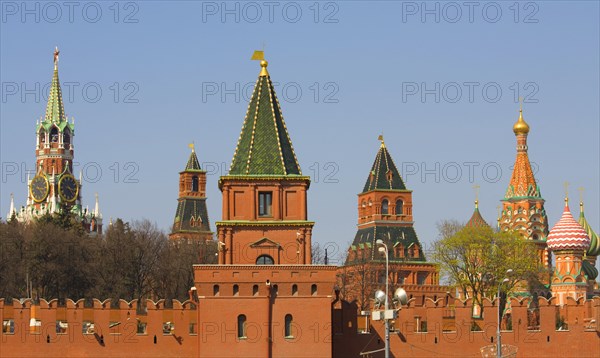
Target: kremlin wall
(189, 330)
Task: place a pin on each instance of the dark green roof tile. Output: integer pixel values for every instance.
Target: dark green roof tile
(264, 146)
(379, 176)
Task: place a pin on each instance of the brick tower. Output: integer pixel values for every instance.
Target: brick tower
(385, 212)
(523, 206)
(54, 188)
(191, 218)
(264, 194)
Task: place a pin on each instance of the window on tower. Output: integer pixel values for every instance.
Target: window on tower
(385, 207)
(194, 183)
(399, 207)
(54, 135)
(265, 260)
(67, 138)
(42, 137)
(265, 201)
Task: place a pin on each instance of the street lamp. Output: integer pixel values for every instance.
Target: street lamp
(384, 249)
(498, 334)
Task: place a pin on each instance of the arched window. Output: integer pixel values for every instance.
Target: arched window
(265, 260)
(42, 137)
(288, 326)
(294, 290)
(194, 183)
(255, 290)
(313, 290)
(54, 135)
(385, 207)
(215, 290)
(236, 290)
(241, 321)
(399, 207)
(67, 138)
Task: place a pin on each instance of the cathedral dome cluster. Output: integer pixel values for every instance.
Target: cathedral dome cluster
(568, 234)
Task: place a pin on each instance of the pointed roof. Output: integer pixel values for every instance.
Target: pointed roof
(594, 249)
(264, 146)
(55, 110)
(384, 175)
(522, 182)
(476, 219)
(192, 163)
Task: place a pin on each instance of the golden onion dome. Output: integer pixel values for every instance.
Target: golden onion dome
(521, 127)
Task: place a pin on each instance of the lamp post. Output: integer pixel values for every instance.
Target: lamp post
(498, 334)
(384, 249)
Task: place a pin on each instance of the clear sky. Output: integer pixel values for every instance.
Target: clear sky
(440, 80)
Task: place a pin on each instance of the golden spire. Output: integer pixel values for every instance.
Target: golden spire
(521, 127)
(380, 138)
(260, 55)
(566, 184)
(192, 146)
(581, 189)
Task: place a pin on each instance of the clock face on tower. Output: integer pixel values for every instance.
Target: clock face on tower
(39, 188)
(68, 188)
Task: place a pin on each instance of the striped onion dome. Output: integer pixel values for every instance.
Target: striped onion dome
(567, 233)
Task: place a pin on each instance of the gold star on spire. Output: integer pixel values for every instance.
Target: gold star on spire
(56, 52)
(192, 146)
(260, 56)
(380, 138)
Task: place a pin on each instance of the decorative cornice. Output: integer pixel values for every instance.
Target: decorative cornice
(298, 223)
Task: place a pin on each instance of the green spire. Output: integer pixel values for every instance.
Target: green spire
(264, 146)
(384, 175)
(192, 163)
(55, 110)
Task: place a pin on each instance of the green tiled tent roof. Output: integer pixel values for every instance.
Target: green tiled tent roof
(264, 146)
(192, 163)
(378, 176)
(391, 236)
(55, 110)
(187, 209)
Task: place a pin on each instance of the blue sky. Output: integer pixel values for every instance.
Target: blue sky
(439, 80)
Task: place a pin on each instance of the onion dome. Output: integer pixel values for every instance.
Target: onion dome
(521, 127)
(567, 234)
(589, 270)
(594, 249)
(476, 219)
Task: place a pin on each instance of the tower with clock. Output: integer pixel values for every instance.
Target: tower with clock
(54, 188)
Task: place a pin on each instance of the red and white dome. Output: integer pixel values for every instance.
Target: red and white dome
(568, 234)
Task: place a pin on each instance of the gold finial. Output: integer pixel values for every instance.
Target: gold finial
(520, 104)
(192, 146)
(476, 187)
(380, 138)
(566, 185)
(260, 55)
(581, 190)
(521, 127)
(56, 52)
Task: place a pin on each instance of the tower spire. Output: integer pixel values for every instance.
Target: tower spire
(55, 110)
(11, 210)
(97, 207)
(264, 146)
